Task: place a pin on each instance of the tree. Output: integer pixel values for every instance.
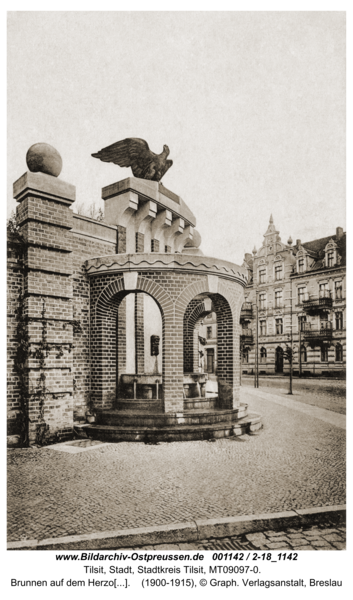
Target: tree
(11, 223)
(288, 354)
(92, 211)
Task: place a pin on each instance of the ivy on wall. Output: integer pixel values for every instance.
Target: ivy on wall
(25, 349)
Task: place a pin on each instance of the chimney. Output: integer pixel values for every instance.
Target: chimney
(339, 232)
(248, 257)
(299, 243)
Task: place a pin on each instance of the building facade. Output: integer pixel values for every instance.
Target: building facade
(295, 297)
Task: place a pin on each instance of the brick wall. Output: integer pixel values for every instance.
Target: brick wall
(58, 243)
(86, 316)
(173, 291)
(46, 224)
(83, 247)
(14, 290)
(139, 334)
(195, 311)
(121, 343)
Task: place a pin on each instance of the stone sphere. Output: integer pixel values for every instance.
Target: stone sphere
(195, 242)
(43, 158)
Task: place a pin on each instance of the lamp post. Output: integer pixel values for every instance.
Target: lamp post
(256, 380)
(289, 350)
(300, 345)
(291, 361)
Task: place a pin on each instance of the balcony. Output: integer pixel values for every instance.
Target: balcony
(317, 304)
(246, 337)
(246, 312)
(324, 333)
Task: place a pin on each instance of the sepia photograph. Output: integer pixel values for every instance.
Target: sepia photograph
(176, 295)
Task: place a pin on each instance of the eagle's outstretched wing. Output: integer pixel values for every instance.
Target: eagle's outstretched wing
(131, 152)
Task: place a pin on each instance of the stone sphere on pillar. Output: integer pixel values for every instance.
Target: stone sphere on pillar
(195, 242)
(43, 158)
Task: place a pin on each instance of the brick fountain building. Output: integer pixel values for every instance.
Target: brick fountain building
(79, 298)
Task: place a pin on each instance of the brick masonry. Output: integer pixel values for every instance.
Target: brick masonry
(139, 334)
(194, 313)
(174, 292)
(86, 316)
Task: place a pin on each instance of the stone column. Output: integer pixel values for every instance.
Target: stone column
(45, 221)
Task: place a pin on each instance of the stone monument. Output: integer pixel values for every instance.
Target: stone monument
(83, 272)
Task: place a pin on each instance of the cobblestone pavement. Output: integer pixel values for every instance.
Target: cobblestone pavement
(295, 461)
(323, 537)
(324, 393)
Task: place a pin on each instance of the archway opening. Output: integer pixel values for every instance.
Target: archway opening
(279, 360)
(209, 347)
(139, 348)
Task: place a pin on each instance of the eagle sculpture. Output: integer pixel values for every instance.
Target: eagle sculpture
(135, 153)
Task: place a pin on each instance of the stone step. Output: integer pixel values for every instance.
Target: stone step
(115, 433)
(210, 402)
(187, 417)
(140, 405)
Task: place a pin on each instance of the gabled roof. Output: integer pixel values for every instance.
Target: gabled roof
(316, 250)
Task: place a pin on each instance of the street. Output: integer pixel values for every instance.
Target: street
(297, 461)
(323, 393)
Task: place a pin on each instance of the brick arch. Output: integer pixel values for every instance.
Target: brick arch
(106, 299)
(105, 324)
(195, 311)
(227, 303)
(188, 294)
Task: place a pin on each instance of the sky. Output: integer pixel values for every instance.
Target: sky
(251, 105)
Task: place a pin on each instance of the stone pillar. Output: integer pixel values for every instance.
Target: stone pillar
(121, 239)
(45, 221)
(139, 334)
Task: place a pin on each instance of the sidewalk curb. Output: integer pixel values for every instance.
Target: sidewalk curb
(192, 531)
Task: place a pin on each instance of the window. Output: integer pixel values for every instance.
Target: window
(339, 320)
(279, 326)
(301, 263)
(303, 353)
(154, 245)
(278, 299)
(324, 354)
(278, 272)
(338, 290)
(301, 321)
(262, 275)
(209, 332)
(262, 301)
(263, 355)
(338, 353)
(330, 258)
(324, 322)
(246, 355)
(301, 294)
(323, 290)
(262, 327)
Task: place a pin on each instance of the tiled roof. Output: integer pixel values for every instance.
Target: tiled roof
(316, 249)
